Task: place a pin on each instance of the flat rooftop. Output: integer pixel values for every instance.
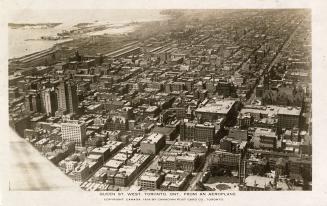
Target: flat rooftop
(294, 111)
(219, 107)
(113, 163)
(164, 130)
(149, 176)
(153, 138)
(265, 132)
(271, 110)
(100, 150)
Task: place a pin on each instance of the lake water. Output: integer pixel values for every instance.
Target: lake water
(18, 46)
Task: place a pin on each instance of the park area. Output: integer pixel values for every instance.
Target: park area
(222, 183)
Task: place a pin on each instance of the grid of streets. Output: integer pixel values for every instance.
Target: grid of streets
(204, 100)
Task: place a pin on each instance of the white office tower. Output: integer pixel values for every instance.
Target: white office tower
(74, 131)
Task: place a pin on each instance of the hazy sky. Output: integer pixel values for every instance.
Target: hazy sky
(42, 16)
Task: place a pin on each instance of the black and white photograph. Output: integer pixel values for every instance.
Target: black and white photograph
(187, 101)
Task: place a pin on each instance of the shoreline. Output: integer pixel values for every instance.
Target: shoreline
(137, 27)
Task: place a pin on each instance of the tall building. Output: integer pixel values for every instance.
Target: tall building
(187, 131)
(205, 132)
(28, 103)
(289, 117)
(49, 101)
(74, 131)
(61, 97)
(33, 102)
(72, 97)
(67, 97)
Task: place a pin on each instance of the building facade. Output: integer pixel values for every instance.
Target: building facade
(73, 131)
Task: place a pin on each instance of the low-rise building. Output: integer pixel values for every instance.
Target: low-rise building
(225, 159)
(258, 183)
(264, 138)
(150, 180)
(153, 143)
(184, 162)
(214, 111)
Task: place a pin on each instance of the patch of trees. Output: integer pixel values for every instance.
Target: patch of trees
(277, 72)
(220, 171)
(284, 97)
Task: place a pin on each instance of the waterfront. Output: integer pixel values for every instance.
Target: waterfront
(23, 41)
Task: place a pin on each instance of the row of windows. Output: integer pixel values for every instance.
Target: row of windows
(145, 182)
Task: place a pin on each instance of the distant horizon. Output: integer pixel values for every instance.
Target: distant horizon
(18, 46)
(21, 16)
(60, 16)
